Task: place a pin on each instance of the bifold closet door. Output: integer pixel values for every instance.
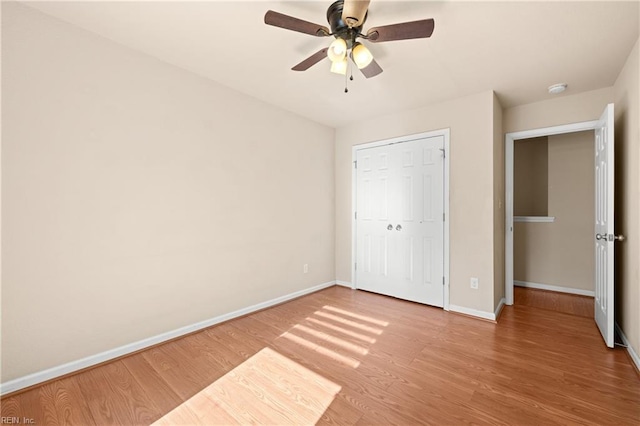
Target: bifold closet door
(400, 220)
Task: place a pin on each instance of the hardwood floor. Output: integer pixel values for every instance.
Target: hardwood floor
(571, 304)
(351, 357)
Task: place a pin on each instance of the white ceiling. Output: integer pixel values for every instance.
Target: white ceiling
(516, 49)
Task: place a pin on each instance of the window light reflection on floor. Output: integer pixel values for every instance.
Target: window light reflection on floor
(335, 356)
(357, 316)
(267, 388)
(345, 321)
(341, 330)
(332, 339)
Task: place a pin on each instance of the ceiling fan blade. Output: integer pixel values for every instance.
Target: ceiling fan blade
(371, 70)
(294, 24)
(404, 31)
(354, 12)
(311, 60)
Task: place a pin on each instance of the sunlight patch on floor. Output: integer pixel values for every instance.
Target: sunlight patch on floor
(332, 339)
(359, 336)
(335, 356)
(267, 388)
(316, 334)
(345, 321)
(357, 316)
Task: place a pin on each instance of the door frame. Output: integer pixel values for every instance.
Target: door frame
(445, 133)
(508, 185)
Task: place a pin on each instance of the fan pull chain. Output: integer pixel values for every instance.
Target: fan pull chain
(348, 71)
(346, 90)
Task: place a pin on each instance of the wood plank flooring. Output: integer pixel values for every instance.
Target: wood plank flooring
(552, 300)
(355, 358)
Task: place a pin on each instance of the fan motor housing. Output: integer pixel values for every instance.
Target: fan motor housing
(339, 28)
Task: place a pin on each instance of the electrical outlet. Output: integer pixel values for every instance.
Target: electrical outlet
(474, 283)
(305, 268)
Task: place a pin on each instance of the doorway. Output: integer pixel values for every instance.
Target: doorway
(554, 185)
(603, 235)
(510, 219)
(400, 217)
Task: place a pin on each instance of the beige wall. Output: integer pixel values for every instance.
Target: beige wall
(627, 135)
(139, 198)
(530, 177)
(561, 253)
(565, 109)
(472, 188)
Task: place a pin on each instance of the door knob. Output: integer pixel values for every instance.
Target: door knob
(610, 237)
(390, 227)
(399, 228)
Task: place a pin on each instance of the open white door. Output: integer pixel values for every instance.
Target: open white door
(604, 232)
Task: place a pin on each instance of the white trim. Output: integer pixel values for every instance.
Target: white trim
(508, 159)
(345, 284)
(473, 312)
(354, 202)
(554, 130)
(550, 287)
(508, 220)
(70, 367)
(446, 134)
(447, 220)
(501, 304)
(534, 219)
(632, 352)
(400, 139)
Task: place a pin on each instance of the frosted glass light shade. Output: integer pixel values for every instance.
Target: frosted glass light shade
(354, 12)
(361, 55)
(337, 50)
(339, 67)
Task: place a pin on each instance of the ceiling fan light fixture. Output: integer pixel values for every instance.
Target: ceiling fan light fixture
(346, 19)
(361, 55)
(339, 67)
(337, 50)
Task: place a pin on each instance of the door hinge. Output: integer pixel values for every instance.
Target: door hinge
(442, 280)
(355, 164)
(444, 153)
(355, 216)
(355, 266)
(443, 218)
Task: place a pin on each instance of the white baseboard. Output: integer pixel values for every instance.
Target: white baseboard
(473, 312)
(345, 284)
(501, 304)
(70, 367)
(554, 288)
(632, 352)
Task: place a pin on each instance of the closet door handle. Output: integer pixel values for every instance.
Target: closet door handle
(390, 227)
(610, 237)
(399, 228)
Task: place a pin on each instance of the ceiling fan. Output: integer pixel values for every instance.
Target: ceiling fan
(346, 19)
